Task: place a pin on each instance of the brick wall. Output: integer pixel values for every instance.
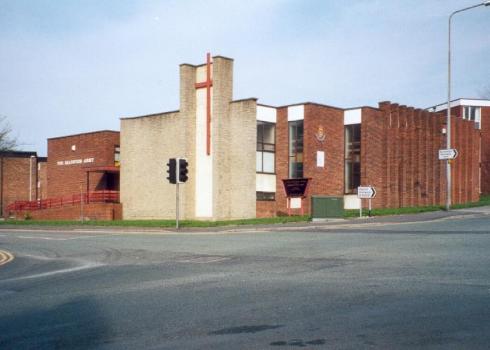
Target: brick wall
(92, 211)
(68, 179)
(327, 180)
(399, 157)
(16, 168)
(485, 155)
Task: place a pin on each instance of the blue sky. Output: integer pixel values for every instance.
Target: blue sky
(76, 66)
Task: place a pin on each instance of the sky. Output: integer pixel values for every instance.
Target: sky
(73, 66)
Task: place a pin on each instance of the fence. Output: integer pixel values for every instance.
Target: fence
(58, 202)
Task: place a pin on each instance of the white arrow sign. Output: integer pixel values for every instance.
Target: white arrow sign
(450, 153)
(366, 192)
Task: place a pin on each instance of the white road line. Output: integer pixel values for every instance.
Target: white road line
(57, 272)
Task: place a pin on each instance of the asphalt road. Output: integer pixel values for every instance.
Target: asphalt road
(411, 285)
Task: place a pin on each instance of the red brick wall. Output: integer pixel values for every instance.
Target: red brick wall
(328, 180)
(14, 180)
(65, 180)
(485, 155)
(92, 211)
(266, 209)
(399, 156)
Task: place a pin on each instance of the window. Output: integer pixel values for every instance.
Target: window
(296, 149)
(117, 155)
(472, 113)
(266, 196)
(266, 147)
(352, 162)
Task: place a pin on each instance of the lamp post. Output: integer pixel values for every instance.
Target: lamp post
(448, 120)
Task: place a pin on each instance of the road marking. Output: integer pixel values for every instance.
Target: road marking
(5, 257)
(85, 266)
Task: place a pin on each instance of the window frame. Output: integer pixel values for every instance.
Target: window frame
(261, 123)
(293, 153)
(350, 156)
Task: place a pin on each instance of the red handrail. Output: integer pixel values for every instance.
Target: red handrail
(58, 202)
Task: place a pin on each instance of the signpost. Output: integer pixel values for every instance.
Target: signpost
(295, 188)
(365, 192)
(448, 154)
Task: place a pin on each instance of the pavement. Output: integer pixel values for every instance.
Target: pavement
(416, 281)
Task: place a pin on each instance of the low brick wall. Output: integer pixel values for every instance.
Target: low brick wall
(92, 211)
(266, 209)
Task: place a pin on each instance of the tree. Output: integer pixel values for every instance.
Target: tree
(7, 141)
(485, 92)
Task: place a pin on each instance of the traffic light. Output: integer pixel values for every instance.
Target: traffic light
(183, 170)
(172, 170)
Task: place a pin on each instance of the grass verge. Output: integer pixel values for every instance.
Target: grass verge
(160, 223)
(484, 200)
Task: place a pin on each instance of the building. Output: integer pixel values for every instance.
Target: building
(478, 111)
(83, 163)
(239, 152)
(22, 178)
(80, 179)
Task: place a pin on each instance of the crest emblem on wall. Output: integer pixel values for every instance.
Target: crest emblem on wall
(320, 134)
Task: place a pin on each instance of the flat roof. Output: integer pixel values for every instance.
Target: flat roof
(18, 154)
(477, 102)
(84, 133)
(150, 115)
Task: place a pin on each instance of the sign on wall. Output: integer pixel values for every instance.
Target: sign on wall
(450, 153)
(320, 159)
(75, 161)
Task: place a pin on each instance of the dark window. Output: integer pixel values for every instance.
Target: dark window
(296, 149)
(352, 165)
(266, 147)
(266, 196)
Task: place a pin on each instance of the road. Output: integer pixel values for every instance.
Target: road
(380, 285)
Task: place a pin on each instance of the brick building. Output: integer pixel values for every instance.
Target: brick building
(392, 147)
(22, 178)
(83, 163)
(79, 178)
(478, 111)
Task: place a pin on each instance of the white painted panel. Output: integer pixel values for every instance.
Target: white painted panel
(351, 201)
(204, 163)
(295, 203)
(320, 159)
(461, 102)
(265, 183)
(266, 114)
(296, 113)
(352, 116)
(476, 103)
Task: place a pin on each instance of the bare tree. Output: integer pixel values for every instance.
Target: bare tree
(7, 141)
(485, 92)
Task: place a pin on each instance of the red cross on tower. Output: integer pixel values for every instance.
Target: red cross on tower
(207, 84)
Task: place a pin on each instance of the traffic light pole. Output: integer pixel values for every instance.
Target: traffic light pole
(177, 205)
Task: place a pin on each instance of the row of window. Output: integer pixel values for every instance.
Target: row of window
(266, 149)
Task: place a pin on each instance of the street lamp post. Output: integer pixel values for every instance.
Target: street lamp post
(448, 120)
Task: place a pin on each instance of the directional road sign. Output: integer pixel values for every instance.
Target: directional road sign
(450, 153)
(366, 192)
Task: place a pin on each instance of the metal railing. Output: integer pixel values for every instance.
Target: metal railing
(58, 202)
